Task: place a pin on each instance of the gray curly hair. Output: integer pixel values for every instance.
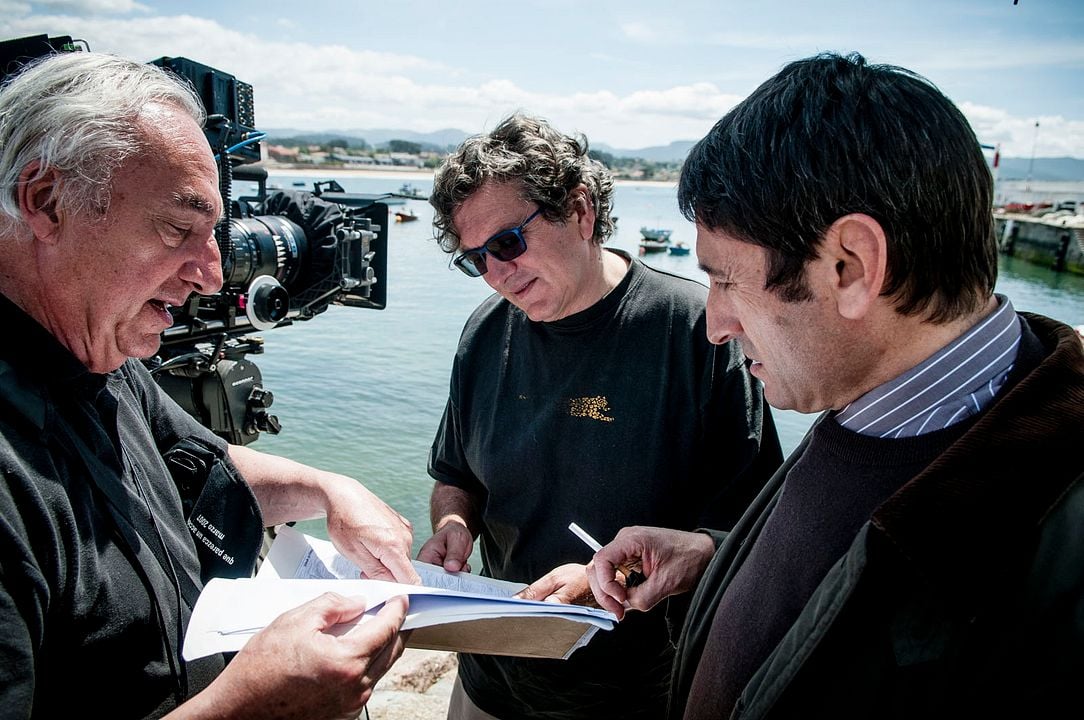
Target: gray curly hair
(526, 150)
(77, 114)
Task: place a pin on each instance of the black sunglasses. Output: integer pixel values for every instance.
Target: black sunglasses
(506, 245)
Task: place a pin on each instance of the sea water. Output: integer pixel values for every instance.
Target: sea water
(361, 392)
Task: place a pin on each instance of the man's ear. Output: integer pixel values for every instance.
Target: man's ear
(37, 195)
(583, 211)
(858, 251)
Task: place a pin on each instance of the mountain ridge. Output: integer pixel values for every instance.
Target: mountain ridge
(1067, 169)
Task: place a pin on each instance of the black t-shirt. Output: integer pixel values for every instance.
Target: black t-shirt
(98, 569)
(622, 414)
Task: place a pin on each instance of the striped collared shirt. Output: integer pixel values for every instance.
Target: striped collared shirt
(956, 382)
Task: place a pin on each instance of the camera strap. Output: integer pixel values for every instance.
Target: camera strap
(137, 532)
(132, 517)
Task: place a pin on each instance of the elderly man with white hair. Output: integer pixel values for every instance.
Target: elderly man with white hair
(108, 200)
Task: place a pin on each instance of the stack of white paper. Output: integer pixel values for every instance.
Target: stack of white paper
(460, 609)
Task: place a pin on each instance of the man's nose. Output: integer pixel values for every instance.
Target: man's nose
(204, 269)
(722, 323)
(497, 271)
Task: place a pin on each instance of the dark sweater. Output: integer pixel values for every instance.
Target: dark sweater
(827, 496)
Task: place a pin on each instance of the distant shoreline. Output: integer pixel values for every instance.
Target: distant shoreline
(1004, 190)
(383, 173)
(398, 173)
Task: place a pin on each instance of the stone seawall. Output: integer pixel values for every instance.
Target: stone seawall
(1041, 241)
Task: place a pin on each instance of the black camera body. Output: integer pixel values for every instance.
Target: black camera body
(286, 259)
(230, 106)
(286, 256)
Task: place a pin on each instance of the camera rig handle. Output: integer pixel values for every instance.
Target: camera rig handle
(217, 384)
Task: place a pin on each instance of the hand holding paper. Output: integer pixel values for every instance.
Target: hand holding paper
(564, 584)
(330, 673)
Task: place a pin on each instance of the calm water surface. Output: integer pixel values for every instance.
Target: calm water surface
(361, 392)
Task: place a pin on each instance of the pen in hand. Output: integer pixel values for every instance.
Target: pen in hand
(632, 577)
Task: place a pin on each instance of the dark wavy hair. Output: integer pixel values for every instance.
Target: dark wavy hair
(832, 135)
(528, 151)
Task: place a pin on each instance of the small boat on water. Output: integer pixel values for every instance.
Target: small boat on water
(405, 215)
(298, 183)
(654, 240)
(679, 248)
(656, 234)
(653, 246)
(409, 191)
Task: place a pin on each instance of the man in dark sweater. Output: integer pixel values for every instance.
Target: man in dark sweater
(584, 390)
(908, 560)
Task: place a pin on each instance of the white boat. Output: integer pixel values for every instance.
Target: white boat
(656, 234)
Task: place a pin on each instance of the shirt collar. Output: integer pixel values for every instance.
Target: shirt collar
(37, 353)
(954, 383)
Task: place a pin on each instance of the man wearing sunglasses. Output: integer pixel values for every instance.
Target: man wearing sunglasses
(584, 390)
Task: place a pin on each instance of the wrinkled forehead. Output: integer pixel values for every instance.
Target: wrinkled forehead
(723, 256)
(176, 150)
(490, 209)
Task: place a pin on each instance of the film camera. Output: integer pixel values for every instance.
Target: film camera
(286, 256)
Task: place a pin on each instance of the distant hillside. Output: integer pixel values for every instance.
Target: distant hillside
(445, 140)
(1051, 169)
(437, 141)
(674, 152)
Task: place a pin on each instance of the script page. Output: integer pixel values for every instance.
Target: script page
(300, 556)
(299, 568)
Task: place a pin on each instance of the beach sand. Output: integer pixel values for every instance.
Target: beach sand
(417, 687)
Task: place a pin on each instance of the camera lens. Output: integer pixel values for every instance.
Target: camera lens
(263, 245)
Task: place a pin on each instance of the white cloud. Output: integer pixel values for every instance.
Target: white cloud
(298, 85)
(319, 87)
(13, 7)
(90, 7)
(933, 58)
(1055, 136)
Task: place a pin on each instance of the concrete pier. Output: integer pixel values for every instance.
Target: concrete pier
(1056, 242)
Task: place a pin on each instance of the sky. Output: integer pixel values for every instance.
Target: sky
(629, 74)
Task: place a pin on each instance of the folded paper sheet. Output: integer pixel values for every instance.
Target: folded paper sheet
(449, 611)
